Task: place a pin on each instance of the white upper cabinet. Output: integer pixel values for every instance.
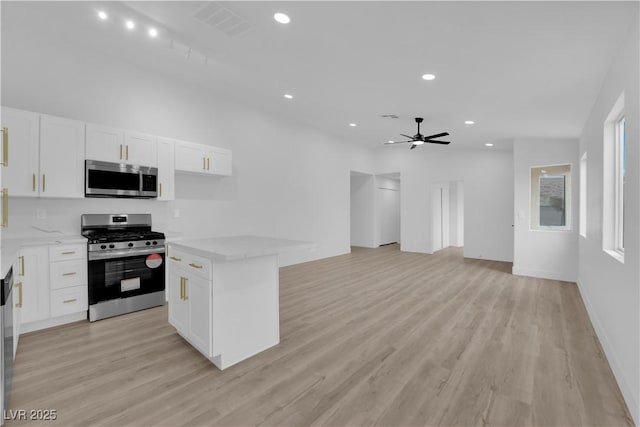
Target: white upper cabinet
(166, 169)
(61, 158)
(140, 149)
(21, 175)
(105, 143)
(46, 155)
(199, 158)
(118, 146)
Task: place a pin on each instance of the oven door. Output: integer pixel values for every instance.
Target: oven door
(119, 275)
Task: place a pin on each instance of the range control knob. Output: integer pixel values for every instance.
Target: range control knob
(155, 243)
(147, 243)
(103, 246)
(130, 245)
(111, 246)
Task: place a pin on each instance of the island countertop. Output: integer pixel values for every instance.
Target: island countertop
(232, 248)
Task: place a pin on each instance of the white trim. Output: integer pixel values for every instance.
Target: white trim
(627, 392)
(50, 323)
(542, 274)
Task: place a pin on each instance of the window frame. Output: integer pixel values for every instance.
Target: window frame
(583, 194)
(619, 177)
(568, 199)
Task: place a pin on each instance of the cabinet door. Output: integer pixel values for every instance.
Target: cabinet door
(61, 157)
(219, 162)
(198, 294)
(140, 149)
(178, 307)
(17, 312)
(104, 143)
(166, 169)
(190, 158)
(21, 175)
(32, 270)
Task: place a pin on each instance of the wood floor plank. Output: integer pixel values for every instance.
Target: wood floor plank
(375, 337)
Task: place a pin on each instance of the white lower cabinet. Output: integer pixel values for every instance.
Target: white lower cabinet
(190, 301)
(32, 271)
(50, 286)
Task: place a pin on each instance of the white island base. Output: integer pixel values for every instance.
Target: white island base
(224, 294)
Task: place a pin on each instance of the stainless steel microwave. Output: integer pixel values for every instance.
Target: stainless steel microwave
(106, 179)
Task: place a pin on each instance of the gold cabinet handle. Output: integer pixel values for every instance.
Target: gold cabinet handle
(160, 185)
(204, 163)
(5, 147)
(195, 265)
(208, 163)
(5, 208)
(44, 183)
(33, 183)
(127, 152)
(67, 301)
(21, 265)
(175, 258)
(68, 253)
(120, 151)
(181, 287)
(19, 304)
(186, 297)
(73, 273)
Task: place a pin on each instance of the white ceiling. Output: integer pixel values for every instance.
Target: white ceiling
(519, 69)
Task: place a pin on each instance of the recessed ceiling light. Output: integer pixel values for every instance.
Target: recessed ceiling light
(469, 122)
(130, 24)
(353, 125)
(281, 18)
(103, 15)
(488, 144)
(288, 96)
(153, 32)
(428, 76)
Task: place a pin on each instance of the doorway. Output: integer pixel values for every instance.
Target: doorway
(388, 196)
(447, 213)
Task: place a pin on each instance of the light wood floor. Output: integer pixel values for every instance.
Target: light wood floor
(378, 337)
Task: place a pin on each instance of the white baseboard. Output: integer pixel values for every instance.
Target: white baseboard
(627, 392)
(50, 323)
(542, 274)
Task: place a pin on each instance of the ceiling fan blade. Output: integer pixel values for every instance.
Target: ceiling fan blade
(438, 135)
(439, 142)
(407, 136)
(413, 146)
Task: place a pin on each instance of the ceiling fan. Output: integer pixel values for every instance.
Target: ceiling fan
(419, 139)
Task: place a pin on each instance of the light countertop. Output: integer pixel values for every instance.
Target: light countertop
(239, 247)
(11, 247)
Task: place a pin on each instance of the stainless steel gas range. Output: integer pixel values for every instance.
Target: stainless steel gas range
(126, 264)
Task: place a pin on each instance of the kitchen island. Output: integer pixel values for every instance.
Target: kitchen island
(223, 294)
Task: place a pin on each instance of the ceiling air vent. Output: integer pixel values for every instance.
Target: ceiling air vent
(389, 116)
(222, 19)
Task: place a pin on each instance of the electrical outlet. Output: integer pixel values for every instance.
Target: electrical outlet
(41, 213)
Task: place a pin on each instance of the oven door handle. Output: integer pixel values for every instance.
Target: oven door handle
(125, 253)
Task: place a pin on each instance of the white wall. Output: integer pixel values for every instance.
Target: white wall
(289, 181)
(456, 193)
(441, 216)
(363, 223)
(609, 288)
(488, 207)
(538, 253)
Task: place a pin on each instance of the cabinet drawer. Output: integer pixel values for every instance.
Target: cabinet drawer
(67, 252)
(66, 274)
(68, 301)
(197, 265)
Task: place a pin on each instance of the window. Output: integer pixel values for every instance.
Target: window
(583, 196)
(620, 177)
(550, 198)
(614, 175)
